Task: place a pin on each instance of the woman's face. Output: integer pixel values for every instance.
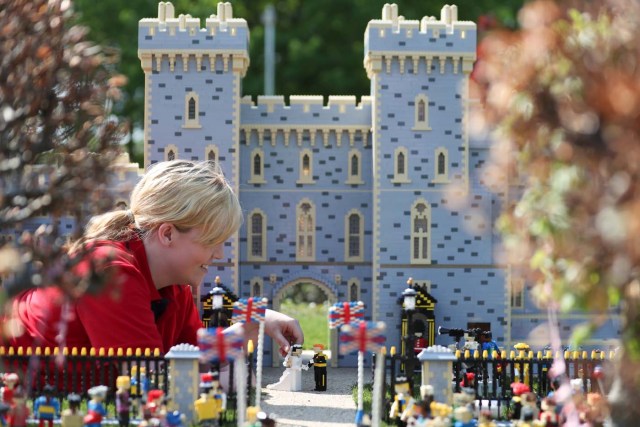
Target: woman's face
(191, 259)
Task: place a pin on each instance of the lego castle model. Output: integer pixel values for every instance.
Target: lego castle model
(352, 197)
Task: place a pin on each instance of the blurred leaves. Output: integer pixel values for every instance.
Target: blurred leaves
(57, 135)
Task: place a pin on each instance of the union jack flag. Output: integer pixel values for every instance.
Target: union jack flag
(362, 337)
(247, 310)
(344, 313)
(218, 344)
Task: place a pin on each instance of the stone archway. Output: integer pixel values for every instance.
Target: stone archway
(332, 298)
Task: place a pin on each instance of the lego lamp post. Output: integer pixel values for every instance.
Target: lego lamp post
(409, 296)
(216, 303)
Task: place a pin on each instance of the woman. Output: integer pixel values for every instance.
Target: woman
(154, 254)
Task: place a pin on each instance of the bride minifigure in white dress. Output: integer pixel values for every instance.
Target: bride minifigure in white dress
(291, 379)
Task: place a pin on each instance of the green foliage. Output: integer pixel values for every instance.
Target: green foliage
(313, 320)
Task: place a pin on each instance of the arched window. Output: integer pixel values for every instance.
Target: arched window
(354, 236)
(191, 111)
(257, 236)
(421, 115)
(420, 233)
(211, 153)
(306, 167)
(257, 167)
(401, 166)
(305, 231)
(171, 152)
(442, 166)
(354, 162)
(354, 289)
(256, 289)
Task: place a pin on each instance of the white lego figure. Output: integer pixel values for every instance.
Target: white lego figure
(291, 379)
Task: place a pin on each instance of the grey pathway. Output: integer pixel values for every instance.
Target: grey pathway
(334, 407)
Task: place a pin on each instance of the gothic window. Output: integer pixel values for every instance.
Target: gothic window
(305, 231)
(191, 110)
(421, 105)
(256, 287)
(420, 233)
(442, 165)
(171, 152)
(257, 167)
(355, 168)
(354, 290)
(354, 236)
(211, 153)
(306, 167)
(256, 241)
(400, 166)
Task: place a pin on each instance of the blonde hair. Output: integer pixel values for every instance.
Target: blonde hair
(183, 193)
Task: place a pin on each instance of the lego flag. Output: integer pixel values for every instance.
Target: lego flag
(218, 344)
(362, 337)
(247, 310)
(344, 313)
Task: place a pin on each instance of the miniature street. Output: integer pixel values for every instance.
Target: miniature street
(335, 407)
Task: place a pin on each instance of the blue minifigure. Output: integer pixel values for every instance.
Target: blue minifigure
(95, 408)
(46, 407)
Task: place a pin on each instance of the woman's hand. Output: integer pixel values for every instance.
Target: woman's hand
(284, 330)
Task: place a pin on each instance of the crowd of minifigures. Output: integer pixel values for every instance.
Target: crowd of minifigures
(526, 408)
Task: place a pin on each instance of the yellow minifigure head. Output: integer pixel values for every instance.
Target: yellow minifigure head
(317, 348)
(252, 413)
(402, 386)
(123, 382)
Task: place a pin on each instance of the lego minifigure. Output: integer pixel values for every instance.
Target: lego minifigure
(516, 401)
(529, 405)
(291, 379)
(463, 417)
(46, 407)
(140, 386)
(19, 412)
(72, 417)
(319, 363)
(123, 401)
(95, 408)
(402, 406)
(6, 392)
(207, 407)
(175, 419)
(549, 417)
(485, 419)
(217, 392)
(154, 407)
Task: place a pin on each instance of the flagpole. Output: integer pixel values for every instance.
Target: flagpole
(377, 389)
(241, 393)
(360, 411)
(259, 363)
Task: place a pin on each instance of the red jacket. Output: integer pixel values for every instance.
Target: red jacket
(120, 316)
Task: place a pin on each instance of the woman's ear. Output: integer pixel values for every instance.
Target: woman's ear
(165, 233)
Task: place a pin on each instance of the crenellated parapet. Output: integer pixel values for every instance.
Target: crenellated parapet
(420, 46)
(306, 116)
(167, 42)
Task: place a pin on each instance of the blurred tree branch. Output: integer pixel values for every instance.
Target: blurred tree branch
(57, 136)
(563, 98)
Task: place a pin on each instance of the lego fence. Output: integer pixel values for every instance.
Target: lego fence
(491, 376)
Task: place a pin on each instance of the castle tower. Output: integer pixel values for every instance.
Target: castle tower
(419, 73)
(192, 95)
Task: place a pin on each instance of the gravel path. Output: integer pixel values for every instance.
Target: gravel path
(334, 407)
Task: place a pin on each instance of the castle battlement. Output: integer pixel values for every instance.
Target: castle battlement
(393, 38)
(222, 31)
(306, 114)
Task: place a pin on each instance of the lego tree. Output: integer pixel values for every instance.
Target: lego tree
(562, 96)
(57, 138)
